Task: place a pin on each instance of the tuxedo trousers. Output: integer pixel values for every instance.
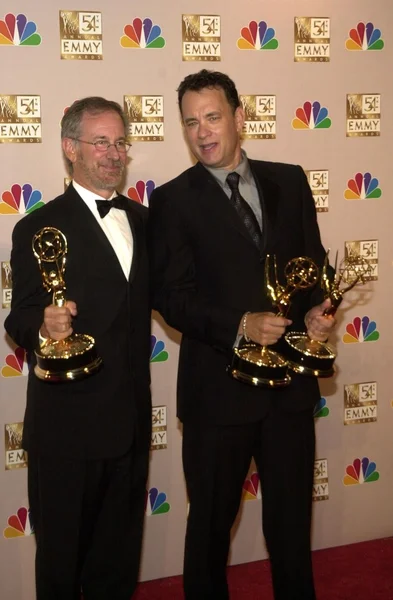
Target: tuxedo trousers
(88, 520)
(216, 460)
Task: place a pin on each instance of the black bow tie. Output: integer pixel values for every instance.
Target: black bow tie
(104, 206)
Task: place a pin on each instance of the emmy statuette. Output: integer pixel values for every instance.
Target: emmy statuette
(258, 365)
(311, 357)
(75, 357)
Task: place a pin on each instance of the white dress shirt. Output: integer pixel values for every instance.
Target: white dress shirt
(115, 225)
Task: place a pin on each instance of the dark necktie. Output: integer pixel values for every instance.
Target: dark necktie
(244, 210)
(104, 206)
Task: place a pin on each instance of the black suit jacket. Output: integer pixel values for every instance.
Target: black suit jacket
(95, 417)
(206, 272)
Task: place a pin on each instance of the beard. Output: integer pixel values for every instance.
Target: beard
(99, 177)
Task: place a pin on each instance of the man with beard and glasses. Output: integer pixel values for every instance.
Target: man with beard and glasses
(88, 440)
(211, 229)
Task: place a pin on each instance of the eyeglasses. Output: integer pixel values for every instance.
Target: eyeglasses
(103, 145)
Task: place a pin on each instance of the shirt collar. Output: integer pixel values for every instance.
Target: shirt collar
(243, 169)
(88, 196)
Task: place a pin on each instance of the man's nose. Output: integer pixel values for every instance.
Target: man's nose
(112, 151)
(203, 131)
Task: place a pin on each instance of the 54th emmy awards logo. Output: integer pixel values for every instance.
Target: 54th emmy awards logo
(20, 119)
(319, 184)
(201, 36)
(159, 428)
(360, 403)
(80, 35)
(260, 117)
(320, 490)
(363, 115)
(146, 118)
(364, 253)
(312, 39)
(6, 283)
(15, 456)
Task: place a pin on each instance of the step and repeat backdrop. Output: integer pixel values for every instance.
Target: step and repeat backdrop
(315, 82)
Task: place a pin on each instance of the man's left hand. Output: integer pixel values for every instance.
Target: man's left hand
(319, 326)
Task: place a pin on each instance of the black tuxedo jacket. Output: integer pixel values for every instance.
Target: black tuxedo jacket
(96, 417)
(206, 272)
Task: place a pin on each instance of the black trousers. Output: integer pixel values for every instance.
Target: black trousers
(88, 520)
(216, 460)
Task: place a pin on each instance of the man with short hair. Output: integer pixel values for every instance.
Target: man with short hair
(208, 262)
(88, 440)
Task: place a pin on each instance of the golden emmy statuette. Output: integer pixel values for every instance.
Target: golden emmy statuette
(258, 365)
(311, 357)
(74, 357)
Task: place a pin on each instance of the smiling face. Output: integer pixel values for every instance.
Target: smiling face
(212, 128)
(100, 172)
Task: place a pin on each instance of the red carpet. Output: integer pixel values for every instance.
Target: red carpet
(357, 572)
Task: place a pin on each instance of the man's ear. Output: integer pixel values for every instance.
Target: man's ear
(69, 149)
(239, 119)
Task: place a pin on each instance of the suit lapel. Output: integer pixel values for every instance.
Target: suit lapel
(136, 225)
(269, 194)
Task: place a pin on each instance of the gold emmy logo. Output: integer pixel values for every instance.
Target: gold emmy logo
(80, 35)
(320, 488)
(312, 39)
(363, 115)
(201, 35)
(159, 428)
(67, 181)
(20, 119)
(319, 184)
(15, 456)
(260, 117)
(360, 403)
(146, 118)
(6, 283)
(367, 252)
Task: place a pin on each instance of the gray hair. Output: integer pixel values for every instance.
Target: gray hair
(93, 105)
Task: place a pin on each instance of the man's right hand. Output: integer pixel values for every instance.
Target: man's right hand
(264, 328)
(57, 323)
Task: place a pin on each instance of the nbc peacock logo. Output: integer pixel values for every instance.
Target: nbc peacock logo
(142, 191)
(156, 503)
(16, 364)
(361, 471)
(20, 200)
(363, 187)
(19, 525)
(257, 36)
(362, 329)
(365, 37)
(142, 34)
(16, 30)
(158, 352)
(321, 408)
(252, 487)
(311, 116)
